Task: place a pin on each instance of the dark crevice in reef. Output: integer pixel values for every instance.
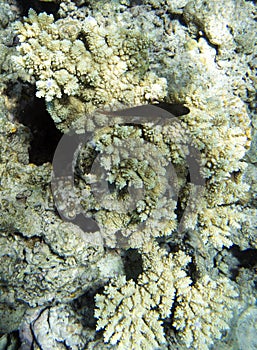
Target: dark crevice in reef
(45, 135)
(132, 264)
(202, 34)
(38, 6)
(179, 18)
(192, 271)
(85, 306)
(179, 211)
(247, 258)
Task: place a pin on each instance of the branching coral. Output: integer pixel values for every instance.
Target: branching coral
(99, 63)
(204, 312)
(99, 55)
(126, 181)
(132, 313)
(218, 125)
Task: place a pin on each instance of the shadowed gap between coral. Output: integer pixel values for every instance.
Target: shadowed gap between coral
(133, 264)
(45, 135)
(84, 305)
(246, 258)
(38, 6)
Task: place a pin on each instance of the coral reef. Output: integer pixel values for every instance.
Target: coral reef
(174, 198)
(133, 312)
(204, 312)
(8, 15)
(231, 32)
(145, 186)
(247, 326)
(98, 63)
(52, 327)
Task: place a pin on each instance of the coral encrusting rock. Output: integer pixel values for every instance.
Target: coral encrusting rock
(190, 291)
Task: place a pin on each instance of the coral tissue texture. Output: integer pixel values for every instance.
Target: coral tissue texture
(98, 63)
(172, 261)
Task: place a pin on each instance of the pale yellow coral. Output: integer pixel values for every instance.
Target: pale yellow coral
(204, 311)
(132, 313)
(79, 65)
(125, 313)
(218, 225)
(142, 202)
(97, 63)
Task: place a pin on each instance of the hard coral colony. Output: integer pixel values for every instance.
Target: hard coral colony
(174, 197)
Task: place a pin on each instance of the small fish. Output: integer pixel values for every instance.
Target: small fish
(150, 112)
